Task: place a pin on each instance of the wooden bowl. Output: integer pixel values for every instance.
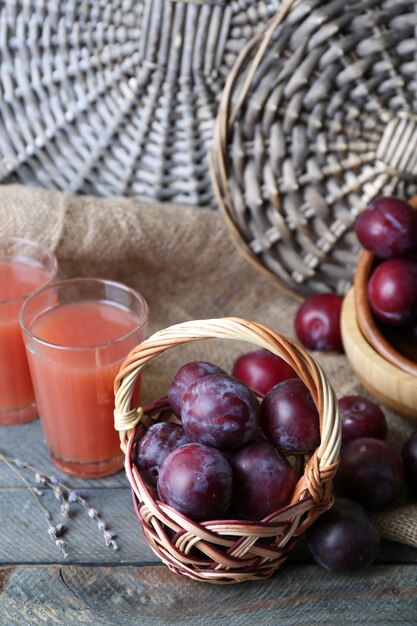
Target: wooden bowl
(397, 345)
(387, 382)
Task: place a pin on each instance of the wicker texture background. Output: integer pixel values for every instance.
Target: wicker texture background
(117, 97)
(318, 117)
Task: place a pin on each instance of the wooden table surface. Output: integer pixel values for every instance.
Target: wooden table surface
(98, 586)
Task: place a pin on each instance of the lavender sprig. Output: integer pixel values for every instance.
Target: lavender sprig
(37, 493)
(66, 497)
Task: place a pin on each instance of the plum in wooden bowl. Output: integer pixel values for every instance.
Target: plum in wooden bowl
(396, 344)
(379, 317)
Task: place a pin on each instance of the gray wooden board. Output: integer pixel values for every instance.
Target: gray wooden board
(24, 533)
(24, 538)
(26, 442)
(153, 596)
(98, 586)
(23, 530)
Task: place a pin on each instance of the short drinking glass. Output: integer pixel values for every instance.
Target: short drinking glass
(24, 267)
(77, 333)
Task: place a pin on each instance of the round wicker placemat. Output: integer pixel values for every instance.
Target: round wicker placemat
(318, 116)
(117, 97)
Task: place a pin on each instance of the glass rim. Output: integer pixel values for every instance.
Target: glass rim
(68, 282)
(51, 273)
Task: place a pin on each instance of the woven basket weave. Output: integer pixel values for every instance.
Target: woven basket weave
(117, 97)
(318, 117)
(227, 551)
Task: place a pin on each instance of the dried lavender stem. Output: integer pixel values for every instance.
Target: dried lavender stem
(51, 529)
(65, 495)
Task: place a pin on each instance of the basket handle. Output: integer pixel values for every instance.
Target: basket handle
(323, 463)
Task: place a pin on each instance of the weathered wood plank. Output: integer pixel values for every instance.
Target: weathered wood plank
(24, 536)
(154, 596)
(23, 529)
(26, 442)
(24, 533)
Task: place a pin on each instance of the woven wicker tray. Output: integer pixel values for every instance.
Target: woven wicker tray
(118, 97)
(318, 117)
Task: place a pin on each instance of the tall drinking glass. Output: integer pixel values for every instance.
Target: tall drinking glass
(24, 267)
(77, 333)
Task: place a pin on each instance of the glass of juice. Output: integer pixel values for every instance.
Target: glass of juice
(77, 332)
(24, 267)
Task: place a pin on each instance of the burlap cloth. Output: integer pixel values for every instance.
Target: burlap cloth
(185, 264)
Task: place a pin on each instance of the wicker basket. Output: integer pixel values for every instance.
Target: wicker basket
(227, 551)
(117, 97)
(318, 116)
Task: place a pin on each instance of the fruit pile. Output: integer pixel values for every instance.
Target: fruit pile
(388, 229)
(232, 454)
(371, 473)
(371, 477)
